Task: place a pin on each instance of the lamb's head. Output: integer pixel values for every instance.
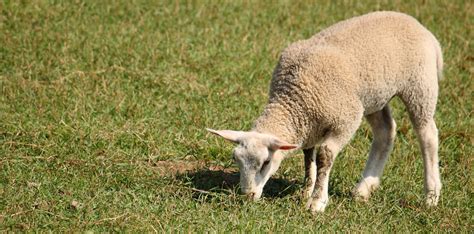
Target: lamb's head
(258, 157)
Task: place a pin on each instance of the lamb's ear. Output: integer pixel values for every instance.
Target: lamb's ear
(278, 144)
(229, 135)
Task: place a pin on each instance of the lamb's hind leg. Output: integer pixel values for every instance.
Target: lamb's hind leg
(384, 130)
(428, 138)
(420, 101)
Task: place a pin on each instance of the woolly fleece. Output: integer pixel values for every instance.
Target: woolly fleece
(327, 83)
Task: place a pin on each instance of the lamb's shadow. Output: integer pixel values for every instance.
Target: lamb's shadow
(226, 181)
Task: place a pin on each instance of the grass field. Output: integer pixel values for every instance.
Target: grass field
(103, 106)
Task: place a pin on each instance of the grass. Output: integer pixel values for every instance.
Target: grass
(95, 95)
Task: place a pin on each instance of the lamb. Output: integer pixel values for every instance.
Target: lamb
(321, 89)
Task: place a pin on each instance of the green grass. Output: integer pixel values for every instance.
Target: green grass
(94, 94)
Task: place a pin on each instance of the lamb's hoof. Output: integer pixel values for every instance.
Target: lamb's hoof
(431, 200)
(316, 206)
(363, 189)
(360, 195)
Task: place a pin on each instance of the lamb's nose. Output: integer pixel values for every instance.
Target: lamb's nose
(250, 195)
(244, 191)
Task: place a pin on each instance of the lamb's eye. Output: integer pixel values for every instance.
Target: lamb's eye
(265, 164)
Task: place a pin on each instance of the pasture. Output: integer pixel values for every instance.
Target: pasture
(104, 105)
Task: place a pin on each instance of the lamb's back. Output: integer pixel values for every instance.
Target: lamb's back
(369, 56)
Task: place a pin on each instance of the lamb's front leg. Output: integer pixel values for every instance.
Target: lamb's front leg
(325, 156)
(309, 172)
(333, 142)
(324, 161)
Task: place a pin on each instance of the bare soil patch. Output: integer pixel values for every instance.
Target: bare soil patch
(177, 167)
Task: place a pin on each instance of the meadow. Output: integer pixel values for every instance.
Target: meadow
(104, 105)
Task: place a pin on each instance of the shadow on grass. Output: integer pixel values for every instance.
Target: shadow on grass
(224, 181)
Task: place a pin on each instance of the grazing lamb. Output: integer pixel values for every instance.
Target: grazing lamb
(321, 89)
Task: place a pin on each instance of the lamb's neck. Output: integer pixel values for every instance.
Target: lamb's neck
(279, 121)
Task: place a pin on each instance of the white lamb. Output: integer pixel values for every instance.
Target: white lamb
(321, 89)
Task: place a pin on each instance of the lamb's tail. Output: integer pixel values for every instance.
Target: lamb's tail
(439, 60)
